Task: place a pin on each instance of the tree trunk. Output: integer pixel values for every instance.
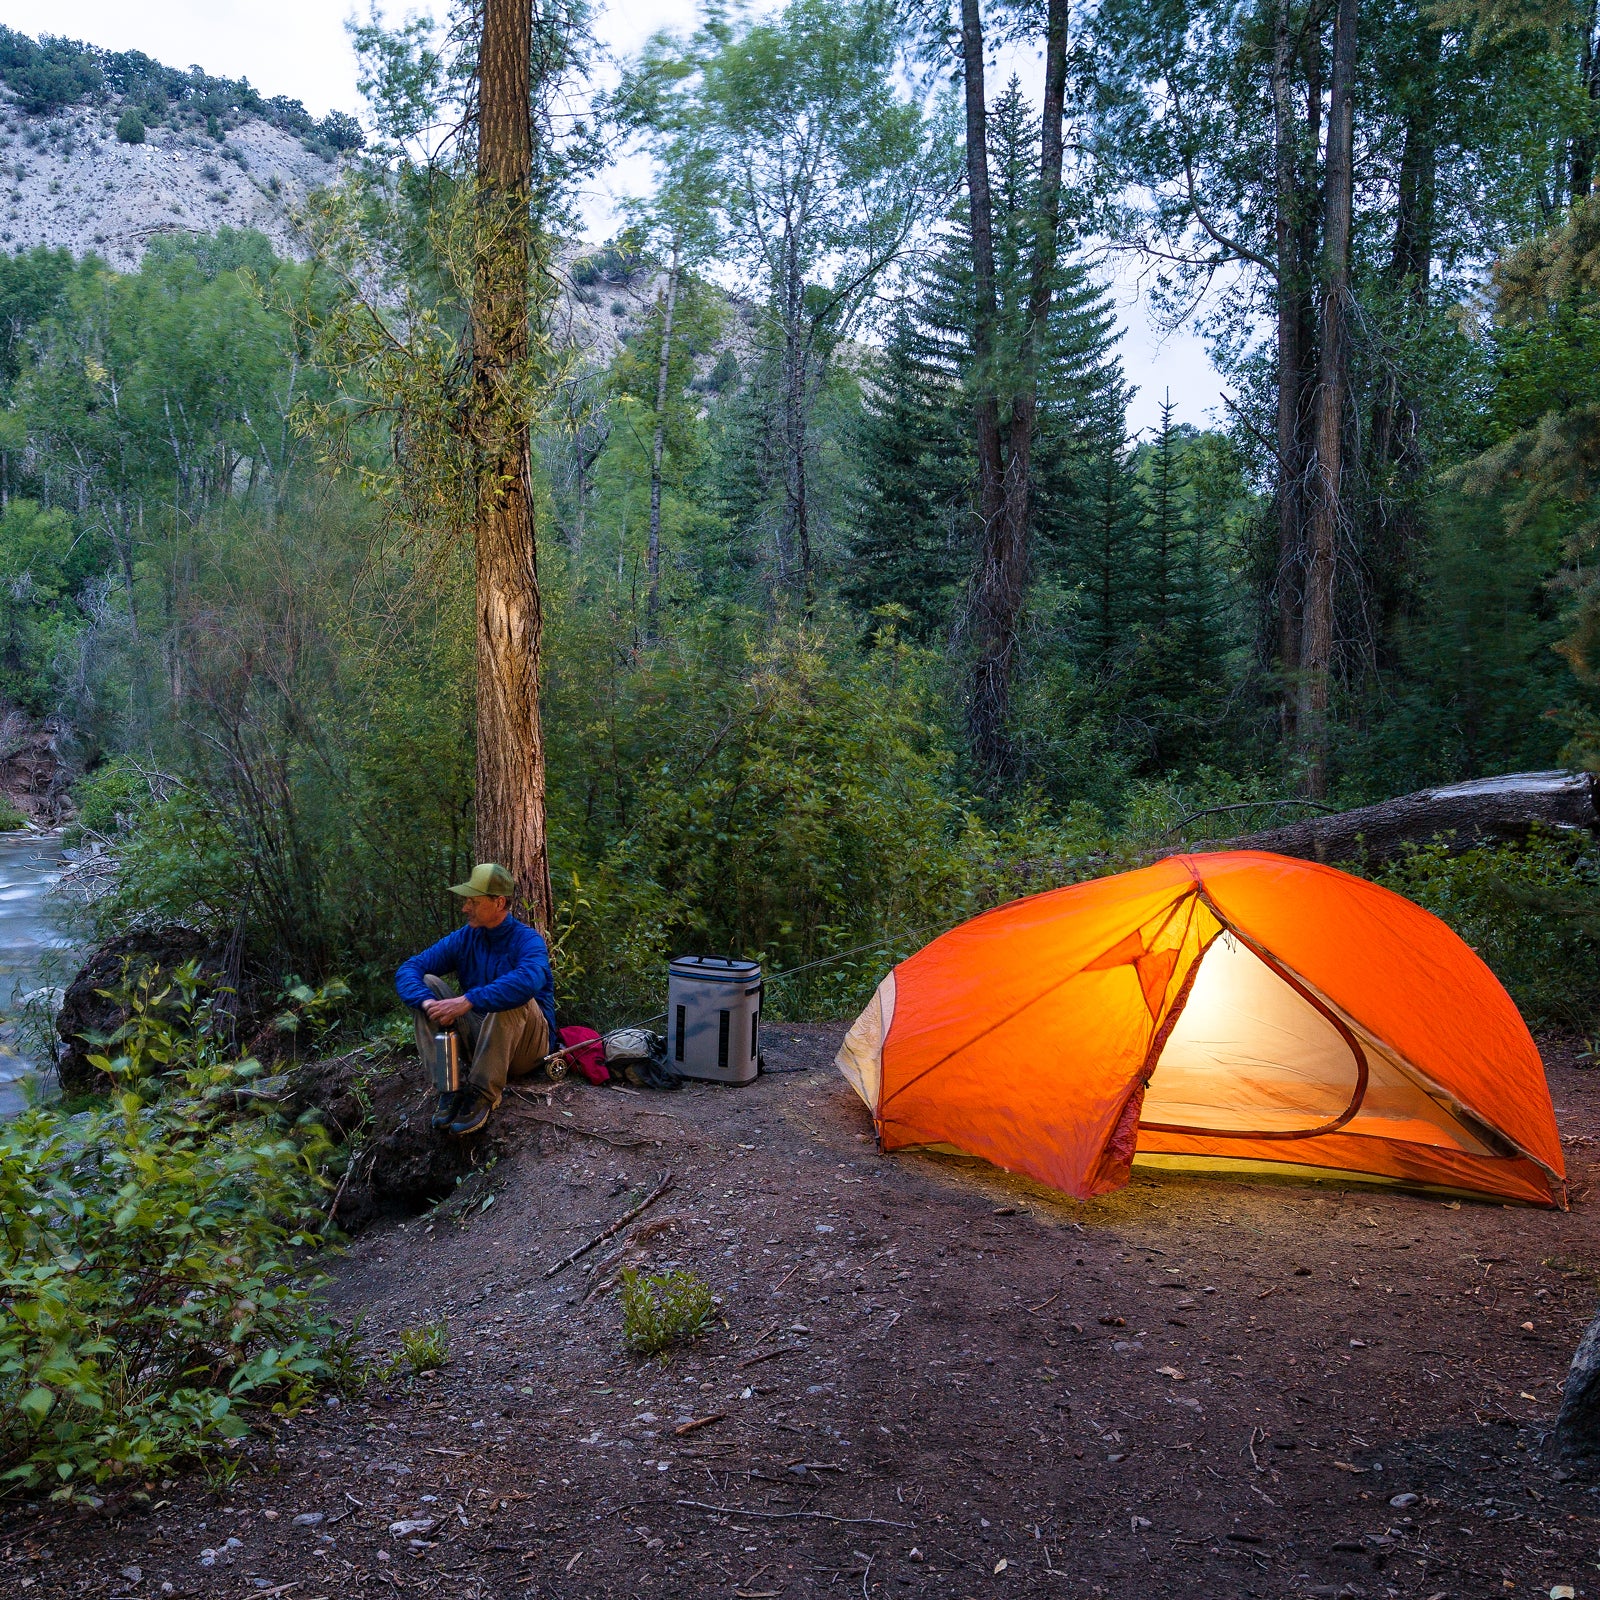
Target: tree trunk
(796, 358)
(1001, 577)
(1395, 464)
(1328, 512)
(1581, 162)
(1291, 373)
(510, 764)
(653, 558)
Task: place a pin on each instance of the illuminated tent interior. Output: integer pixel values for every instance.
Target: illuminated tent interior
(1238, 1011)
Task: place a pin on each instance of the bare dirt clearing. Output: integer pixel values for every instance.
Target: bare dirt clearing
(931, 1379)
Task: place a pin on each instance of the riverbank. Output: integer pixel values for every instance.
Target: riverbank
(35, 959)
(929, 1378)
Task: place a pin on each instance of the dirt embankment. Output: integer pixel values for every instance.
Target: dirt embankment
(930, 1379)
(33, 775)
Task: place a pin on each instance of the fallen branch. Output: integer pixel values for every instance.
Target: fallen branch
(699, 1422)
(615, 1228)
(791, 1516)
(604, 1136)
(767, 1355)
(338, 1194)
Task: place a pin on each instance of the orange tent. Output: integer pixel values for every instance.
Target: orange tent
(1239, 1009)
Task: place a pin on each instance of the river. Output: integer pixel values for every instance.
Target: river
(34, 953)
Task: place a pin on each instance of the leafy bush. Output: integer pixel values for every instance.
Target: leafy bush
(147, 1292)
(130, 127)
(10, 817)
(662, 1309)
(1531, 911)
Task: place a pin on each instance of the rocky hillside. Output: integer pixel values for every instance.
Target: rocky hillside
(68, 180)
(102, 150)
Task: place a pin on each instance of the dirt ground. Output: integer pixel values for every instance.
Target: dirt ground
(930, 1378)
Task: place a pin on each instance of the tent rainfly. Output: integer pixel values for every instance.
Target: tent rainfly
(1243, 1011)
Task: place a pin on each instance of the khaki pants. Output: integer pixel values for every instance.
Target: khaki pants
(498, 1044)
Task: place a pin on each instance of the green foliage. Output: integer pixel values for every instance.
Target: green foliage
(1531, 911)
(426, 1348)
(111, 799)
(10, 818)
(45, 565)
(662, 1309)
(130, 127)
(148, 1298)
(310, 1012)
(47, 75)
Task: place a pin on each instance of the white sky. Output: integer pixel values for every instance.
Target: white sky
(299, 48)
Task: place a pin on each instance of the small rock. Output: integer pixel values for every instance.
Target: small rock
(132, 1574)
(383, 1555)
(308, 1519)
(1563, 1591)
(914, 1554)
(1527, 1327)
(1401, 1501)
(411, 1525)
(1358, 1344)
(269, 1516)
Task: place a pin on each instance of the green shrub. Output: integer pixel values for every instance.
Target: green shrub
(148, 1297)
(10, 818)
(427, 1348)
(662, 1309)
(1531, 911)
(130, 127)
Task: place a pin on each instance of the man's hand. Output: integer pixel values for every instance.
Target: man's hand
(446, 1011)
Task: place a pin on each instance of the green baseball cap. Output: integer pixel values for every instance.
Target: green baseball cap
(488, 877)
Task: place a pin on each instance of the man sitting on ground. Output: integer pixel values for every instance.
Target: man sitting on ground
(504, 1016)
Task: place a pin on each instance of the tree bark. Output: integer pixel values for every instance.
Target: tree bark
(653, 553)
(1005, 475)
(1328, 512)
(510, 742)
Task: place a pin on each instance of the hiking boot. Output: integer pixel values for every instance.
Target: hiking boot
(472, 1111)
(445, 1112)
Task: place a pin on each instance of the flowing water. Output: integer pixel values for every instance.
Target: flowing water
(34, 956)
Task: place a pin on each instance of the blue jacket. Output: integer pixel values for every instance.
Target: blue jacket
(498, 969)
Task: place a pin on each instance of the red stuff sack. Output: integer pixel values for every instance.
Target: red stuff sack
(585, 1051)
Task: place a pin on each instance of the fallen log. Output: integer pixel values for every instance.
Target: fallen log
(1577, 1431)
(1500, 810)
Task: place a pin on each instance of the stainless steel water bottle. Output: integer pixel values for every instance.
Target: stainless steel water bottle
(446, 1062)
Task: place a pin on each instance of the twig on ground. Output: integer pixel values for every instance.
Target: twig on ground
(700, 1422)
(1050, 1302)
(767, 1355)
(605, 1136)
(615, 1228)
(786, 1277)
(790, 1516)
